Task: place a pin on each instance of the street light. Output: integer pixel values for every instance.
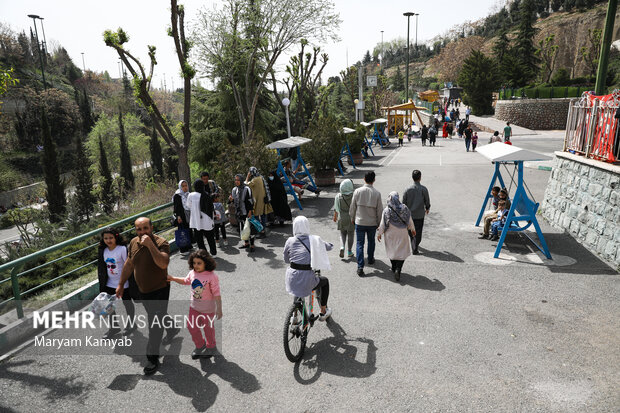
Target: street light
(381, 51)
(34, 18)
(408, 14)
(83, 64)
(356, 101)
(287, 102)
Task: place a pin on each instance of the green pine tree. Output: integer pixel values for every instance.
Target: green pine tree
(106, 194)
(84, 188)
(398, 81)
(479, 77)
(157, 163)
(55, 192)
(126, 171)
(525, 48)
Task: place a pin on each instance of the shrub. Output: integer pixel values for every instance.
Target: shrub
(327, 141)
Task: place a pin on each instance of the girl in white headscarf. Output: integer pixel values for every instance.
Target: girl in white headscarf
(342, 203)
(305, 253)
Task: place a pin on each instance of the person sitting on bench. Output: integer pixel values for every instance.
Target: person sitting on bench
(498, 222)
(298, 185)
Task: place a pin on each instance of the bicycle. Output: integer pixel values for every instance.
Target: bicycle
(300, 317)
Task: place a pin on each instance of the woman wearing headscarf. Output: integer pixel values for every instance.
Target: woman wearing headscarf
(244, 206)
(342, 203)
(260, 194)
(181, 211)
(305, 253)
(279, 201)
(396, 224)
(201, 216)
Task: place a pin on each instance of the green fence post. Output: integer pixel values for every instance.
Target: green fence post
(16, 293)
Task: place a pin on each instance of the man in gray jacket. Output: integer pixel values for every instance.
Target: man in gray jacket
(419, 203)
(365, 211)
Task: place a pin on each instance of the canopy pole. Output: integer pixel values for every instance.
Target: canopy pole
(496, 175)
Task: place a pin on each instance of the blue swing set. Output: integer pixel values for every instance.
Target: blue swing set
(292, 142)
(522, 213)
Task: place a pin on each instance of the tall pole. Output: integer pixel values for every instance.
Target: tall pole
(603, 61)
(360, 104)
(34, 18)
(408, 14)
(381, 51)
(83, 64)
(416, 31)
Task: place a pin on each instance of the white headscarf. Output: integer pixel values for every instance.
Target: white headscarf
(183, 194)
(318, 252)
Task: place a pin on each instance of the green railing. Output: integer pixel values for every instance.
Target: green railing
(543, 92)
(427, 105)
(16, 266)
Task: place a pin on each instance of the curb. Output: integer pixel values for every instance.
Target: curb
(19, 332)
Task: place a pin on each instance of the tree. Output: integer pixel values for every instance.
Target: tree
(106, 194)
(556, 5)
(502, 44)
(525, 50)
(142, 82)
(591, 53)
(366, 58)
(398, 82)
(85, 199)
(242, 41)
(450, 60)
(547, 52)
(55, 192)
(157, 164)
(6, 80)
(479, 78)
(126, 167)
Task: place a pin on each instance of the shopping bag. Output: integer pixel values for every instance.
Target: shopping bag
(256, 224)
(182, 237)
(245, 233)
(104, 304)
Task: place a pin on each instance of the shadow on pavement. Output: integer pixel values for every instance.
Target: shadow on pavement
(382, 270)
(336, 355)
(57, 387)
(238, 378)
(440, 255)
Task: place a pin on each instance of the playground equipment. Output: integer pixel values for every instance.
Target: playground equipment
(369, 144)
(346, 150)
(377, 137)
(522, 209)
(429, 95)
(399, 115)
(289, 143)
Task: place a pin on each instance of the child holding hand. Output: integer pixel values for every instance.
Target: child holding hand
(206, 302)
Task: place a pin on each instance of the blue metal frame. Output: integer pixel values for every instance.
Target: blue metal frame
(525, 207)
(376, 137)
(497, 175)
(369, 146)
(287, 183)
(344, 152)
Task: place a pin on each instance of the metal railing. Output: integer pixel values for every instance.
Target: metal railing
(591, 128)
(15, 266)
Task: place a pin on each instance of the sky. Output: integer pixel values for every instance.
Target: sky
(78, 26)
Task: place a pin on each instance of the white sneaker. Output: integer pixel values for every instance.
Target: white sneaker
(325, 316)
(225, 242)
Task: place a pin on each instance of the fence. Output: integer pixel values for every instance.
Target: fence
(542, 92)
(15, 267)
(591, 127)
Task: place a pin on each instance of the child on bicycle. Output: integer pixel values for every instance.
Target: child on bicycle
(305, 253)
(206, 302)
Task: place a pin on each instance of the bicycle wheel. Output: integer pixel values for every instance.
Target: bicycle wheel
(294, 334)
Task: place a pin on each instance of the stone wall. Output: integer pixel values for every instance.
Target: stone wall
(426, 117)
(534, 113)
(583, 198)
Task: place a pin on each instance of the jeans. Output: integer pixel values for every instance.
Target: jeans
(419, 225)
(156, 306)
(362, 231)
(467, 143)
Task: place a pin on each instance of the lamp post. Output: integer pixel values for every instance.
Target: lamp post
(83, 64)
(408, 14)
(381, 51)
(286, 102)
(34, 18)
(356, 101)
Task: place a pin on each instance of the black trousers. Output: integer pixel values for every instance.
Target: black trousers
(323, 287)
(156, 306)
(397, 264)
(127, 302)
(210, 235)
(220, 228)
(418, 224)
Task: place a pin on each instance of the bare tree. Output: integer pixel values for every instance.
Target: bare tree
(142, 82)
(241, 41)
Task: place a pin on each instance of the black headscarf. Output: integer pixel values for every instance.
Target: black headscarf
(206, 203)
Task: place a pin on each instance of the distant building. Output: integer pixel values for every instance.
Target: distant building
(451, 92)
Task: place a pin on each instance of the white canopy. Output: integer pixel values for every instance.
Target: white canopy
(380, 120)
(365, 124)
(348, 130)
(500, 152)
(292, 142)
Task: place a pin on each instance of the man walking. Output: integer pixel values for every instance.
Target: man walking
(147, 259)
(419, 203)
(365, 210)
(507, 132)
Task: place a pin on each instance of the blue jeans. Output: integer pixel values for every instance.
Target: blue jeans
(362, 231)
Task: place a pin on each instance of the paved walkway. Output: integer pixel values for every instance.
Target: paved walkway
(461, 331)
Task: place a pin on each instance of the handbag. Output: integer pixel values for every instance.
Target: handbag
(182, 237)
(256, 224)
(245, 232)
(411, 237)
